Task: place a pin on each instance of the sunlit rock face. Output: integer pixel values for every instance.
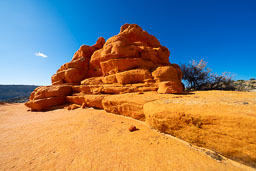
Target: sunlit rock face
(131, 61)
(77, 69)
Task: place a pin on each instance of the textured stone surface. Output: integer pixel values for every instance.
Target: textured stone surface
(169, 87)
(114, 88)
(133, 76)
(114, 66)
(217, 120)
(110, 79)
(51, 91)
(45, 103)
(88, 139)
(130, 104)
(167, 73)
(45, 97)
(132, 42)
(94, 101)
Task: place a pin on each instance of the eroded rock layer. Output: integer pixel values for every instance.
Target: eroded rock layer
(132, 61)
(45, 97)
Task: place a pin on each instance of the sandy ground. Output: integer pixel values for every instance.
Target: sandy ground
(89, 139)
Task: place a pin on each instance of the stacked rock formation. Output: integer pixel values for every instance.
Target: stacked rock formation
(130, 74)
(132, 61)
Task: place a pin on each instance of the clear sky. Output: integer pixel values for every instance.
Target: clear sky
(38, 36)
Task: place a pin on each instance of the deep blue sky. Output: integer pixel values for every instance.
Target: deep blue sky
(223, 33)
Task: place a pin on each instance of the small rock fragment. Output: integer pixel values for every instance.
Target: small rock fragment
(140, 92)
(132, 128)
(73, 107)
(83, 106)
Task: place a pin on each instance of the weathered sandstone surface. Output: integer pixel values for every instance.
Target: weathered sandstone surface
(45, 97)
(222, 121)
(89, 139)
(219, 120)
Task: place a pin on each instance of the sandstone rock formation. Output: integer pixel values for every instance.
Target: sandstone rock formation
(132, 61)
(45, 97)
(131, 75)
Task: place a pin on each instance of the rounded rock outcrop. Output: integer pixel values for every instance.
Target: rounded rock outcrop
(131, 61)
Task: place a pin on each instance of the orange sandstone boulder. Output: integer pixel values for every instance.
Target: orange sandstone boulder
(51, 91)
(46, 103)
(45, 97)
(170, 87)
(133, 76)
(168, 79)
(167, 73)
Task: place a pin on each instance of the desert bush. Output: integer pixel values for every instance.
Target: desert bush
(221, 82)
(240, 85)
(197, 76)
(251, 86)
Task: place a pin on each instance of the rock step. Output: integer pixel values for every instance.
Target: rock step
(130, 104)
(46, 103)
(113, 88)
(89, 100)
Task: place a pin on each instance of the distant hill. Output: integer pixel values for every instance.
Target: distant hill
(245, 85)
(15, 93)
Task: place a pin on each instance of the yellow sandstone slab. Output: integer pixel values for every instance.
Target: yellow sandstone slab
(219, 120)
(88, 139)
